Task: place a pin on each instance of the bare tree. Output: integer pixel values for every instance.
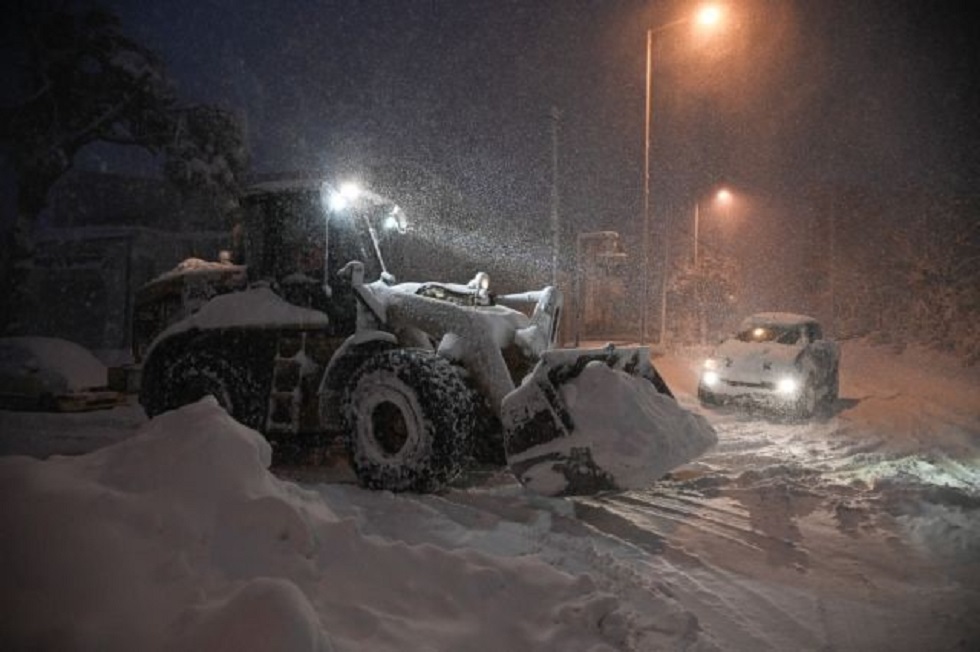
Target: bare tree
(76, 79)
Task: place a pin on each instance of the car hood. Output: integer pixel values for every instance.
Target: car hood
(754, 358)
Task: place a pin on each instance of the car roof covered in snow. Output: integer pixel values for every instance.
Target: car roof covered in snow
(777, 318)
(61, 366)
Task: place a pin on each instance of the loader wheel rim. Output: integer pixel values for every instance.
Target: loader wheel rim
(389, 428)
(390, 425)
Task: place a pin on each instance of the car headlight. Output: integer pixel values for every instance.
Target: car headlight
(710, 378)
(787, 385)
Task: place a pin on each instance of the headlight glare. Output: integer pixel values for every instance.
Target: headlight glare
(480, 282)
(787, 385)
(710, 378)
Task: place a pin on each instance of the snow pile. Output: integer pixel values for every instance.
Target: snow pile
(180, 539)
(633, 434)
(59, 365)
(639, 434)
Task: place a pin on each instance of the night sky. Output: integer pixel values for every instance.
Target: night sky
(789, 96)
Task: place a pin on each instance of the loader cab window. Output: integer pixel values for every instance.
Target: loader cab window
(350, 240)
(283, 236)
(287, 235)
(287, 232)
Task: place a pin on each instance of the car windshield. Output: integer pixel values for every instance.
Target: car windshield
(770, 333)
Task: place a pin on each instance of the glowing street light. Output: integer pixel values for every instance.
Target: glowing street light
(708, 17)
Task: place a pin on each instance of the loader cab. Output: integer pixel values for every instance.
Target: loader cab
(292, 239)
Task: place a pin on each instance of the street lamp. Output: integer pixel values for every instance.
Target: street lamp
(723, 197)
(707, 17)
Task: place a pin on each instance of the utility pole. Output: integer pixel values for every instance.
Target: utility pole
(663, 284)
(833, 263)
(698, 308)
(555, 219)
(645, 280)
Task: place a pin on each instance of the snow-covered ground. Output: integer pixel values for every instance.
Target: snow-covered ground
(857, 531)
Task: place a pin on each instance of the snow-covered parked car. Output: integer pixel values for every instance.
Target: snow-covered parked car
(52, 374)
(776, 359)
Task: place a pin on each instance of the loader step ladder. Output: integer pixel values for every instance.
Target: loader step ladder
(286, 394)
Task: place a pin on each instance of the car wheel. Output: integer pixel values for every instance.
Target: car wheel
(409, 418)
(706, 397)
(187, 378)
(833, 387)
(806, 403)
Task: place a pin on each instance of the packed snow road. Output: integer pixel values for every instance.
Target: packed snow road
(858, 530)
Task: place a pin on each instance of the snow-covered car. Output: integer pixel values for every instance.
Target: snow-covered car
(52, 374)
(776, 359)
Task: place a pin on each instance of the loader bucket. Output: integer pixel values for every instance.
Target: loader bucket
(592, 420)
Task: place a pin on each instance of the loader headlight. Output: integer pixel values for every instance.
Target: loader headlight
(710, 378)
(395, 220)
(787, 386)
(338, 202)
(480, 282)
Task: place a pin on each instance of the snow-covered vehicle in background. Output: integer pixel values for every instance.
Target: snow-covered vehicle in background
(415, 379)
(777, 360)
(53, 375)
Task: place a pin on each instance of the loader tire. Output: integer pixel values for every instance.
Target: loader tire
(186, 378)
(408, 421)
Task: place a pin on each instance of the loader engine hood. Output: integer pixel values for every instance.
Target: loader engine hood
(505, 325)
(474, 293)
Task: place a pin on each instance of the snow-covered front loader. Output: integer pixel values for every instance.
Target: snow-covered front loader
(415, 381)
(511, 372)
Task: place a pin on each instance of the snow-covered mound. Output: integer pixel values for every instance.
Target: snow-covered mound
(621, 433)
(180, 539)
(638, 433)
(58, 365)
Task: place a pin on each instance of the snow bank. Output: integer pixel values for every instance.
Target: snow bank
(180, 539)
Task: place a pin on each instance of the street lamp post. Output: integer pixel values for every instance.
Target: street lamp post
(645, 282)
(697, 221)
(724, 197)
(707, 16)
(555, 219)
